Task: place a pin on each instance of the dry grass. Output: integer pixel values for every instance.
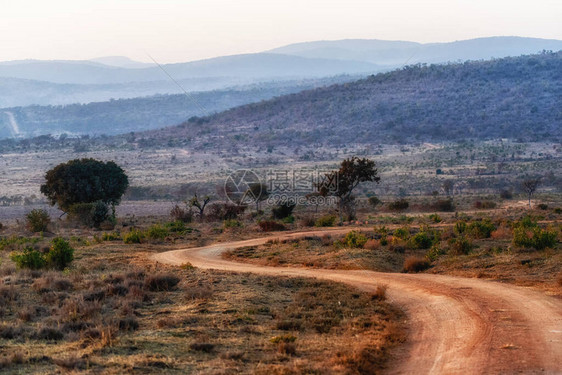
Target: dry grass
(116, 312)
(416, 264)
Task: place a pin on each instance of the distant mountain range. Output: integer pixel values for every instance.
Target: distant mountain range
(398, 53)
(518, 98)
(31, 82)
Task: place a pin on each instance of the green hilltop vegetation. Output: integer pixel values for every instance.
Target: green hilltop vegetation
(518, 98)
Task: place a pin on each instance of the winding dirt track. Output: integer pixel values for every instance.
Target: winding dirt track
(456, 325)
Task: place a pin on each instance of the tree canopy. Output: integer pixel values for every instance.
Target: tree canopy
(85, 181)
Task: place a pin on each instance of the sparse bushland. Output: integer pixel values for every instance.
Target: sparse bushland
(96, 313)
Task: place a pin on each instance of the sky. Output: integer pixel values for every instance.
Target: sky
(176, 31)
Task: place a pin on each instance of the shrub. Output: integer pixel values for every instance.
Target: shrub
(354, 239)
(434, 252)
(178, 226)
(204, 347)
(224, 211)
(111, 236)
(399, 205)
(534, 237)
(372, 245)
(161, 282)
(134, 236)
(445, 205)
(29, 258)
(38, 220)
(157, 232)
(415, 264)
(402, 233)
(481, 229)
(270, 226)
(506, 194)
(289, 219)
(380, 293)
(181, 214)
(283, 210)
(307, 221)
(484, 205)
(460, 245)
(542, 206)
(374, 201)
(232, 223)
(326, 221)
(421, 240)
(435, 218)
(460, 228)
(60, 254)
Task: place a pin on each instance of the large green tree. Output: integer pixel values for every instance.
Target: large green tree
(85, 181)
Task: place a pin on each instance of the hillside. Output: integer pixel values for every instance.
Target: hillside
(144, 113)
(517, 98)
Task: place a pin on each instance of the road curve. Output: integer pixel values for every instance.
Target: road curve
(456, 325)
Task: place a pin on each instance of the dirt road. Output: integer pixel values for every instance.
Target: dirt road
(456, 325)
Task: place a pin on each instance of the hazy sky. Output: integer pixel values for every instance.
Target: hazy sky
(173, 30)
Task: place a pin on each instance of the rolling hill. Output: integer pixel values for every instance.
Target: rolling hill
(517, 98)
(137, 114)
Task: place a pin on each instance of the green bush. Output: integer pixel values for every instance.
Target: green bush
(111, 236)
(283, 210)
(399, 205)
(481, 229)
(38, 220)
(434, 252)
(60, 254)
(134, 236)
(289, 219)
(460, 228)
(232, 223)
(402, 233)
(28, 258)
(421, 240)
(157, 232)
(534, 237)
(354, 239)
(435, 218)
(326, 221)
(178, 226)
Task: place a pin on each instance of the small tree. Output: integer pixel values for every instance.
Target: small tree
(200, 205)
(256, 192)
(352, 172)
(530, 185)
